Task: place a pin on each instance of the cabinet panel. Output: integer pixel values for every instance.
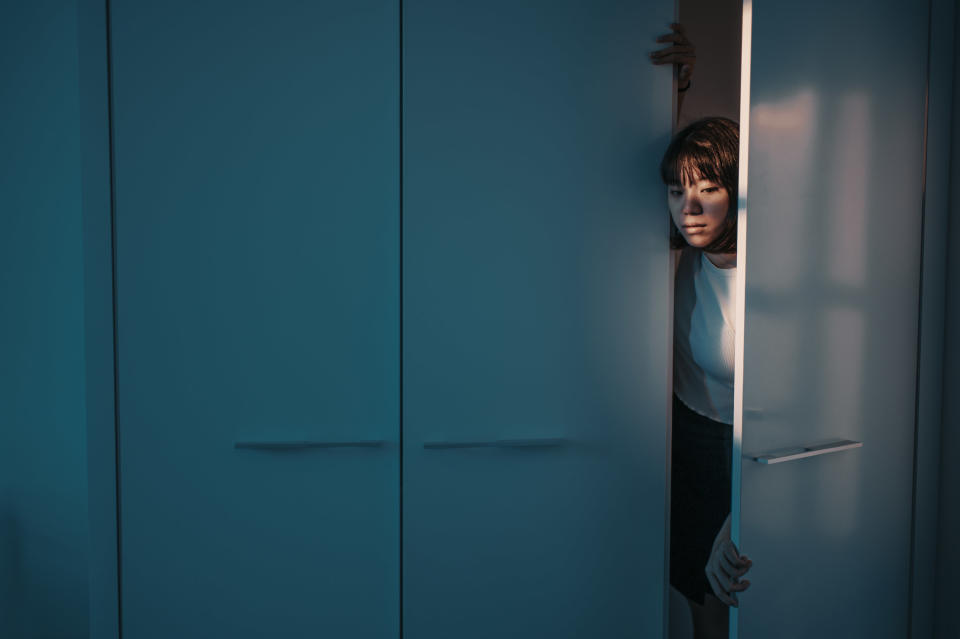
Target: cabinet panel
(536, 282)
(257, 247)
(44, 527)
(832, 275)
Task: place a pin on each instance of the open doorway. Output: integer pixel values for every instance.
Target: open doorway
(714, 26)
(704, 321)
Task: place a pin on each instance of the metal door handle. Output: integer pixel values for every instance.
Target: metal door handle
(300, 445)
(542, 442)
(789, 454)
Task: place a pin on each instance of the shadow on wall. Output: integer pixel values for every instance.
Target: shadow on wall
(12, 586)
(41, 577)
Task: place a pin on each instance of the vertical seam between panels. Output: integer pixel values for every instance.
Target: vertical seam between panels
(113, 284)
(400, 309)
(911, 582)
(668, 443)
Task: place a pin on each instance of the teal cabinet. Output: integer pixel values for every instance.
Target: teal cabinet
(388, 299)
(535, 319)
(257, 242)
(262, 250)
(44, 530)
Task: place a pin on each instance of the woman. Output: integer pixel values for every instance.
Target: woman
(699, 169)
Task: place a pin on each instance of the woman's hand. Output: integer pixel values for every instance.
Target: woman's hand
(682, 53)
(725, 567)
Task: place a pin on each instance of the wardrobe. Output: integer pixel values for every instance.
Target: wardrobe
(332, 256)
(371, 308)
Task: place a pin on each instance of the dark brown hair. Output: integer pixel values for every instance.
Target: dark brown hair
(708, 149)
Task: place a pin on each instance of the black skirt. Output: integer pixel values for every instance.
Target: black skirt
(699, 496)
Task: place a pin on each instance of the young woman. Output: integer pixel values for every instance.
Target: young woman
(699, 170)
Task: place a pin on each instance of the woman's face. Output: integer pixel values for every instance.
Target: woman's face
(699, 209)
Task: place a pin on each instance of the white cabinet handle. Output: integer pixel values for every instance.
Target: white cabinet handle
(784, 455)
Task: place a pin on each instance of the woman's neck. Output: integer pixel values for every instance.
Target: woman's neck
(722, 260)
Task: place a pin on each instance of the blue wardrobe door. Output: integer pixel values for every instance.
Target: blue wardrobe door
(535, 318)
(44, 527)
(257, 248)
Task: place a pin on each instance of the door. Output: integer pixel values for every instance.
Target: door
(257, 248)
(535, 319)
(832, 276)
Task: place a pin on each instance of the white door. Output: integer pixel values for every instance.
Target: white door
(832, 257)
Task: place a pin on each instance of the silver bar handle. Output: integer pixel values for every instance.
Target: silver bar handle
(540, 442)
(789, 454)
(301, 445)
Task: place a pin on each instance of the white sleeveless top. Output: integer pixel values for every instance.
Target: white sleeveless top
(703, 335)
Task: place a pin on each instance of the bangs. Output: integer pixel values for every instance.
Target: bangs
(687, 161)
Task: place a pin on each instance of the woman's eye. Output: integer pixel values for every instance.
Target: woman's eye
(711, 189)
(676, 193)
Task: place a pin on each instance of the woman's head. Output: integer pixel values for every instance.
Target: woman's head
(699, 169)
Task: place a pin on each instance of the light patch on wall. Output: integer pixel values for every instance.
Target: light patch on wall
(782, 159)
(849, 192)
(795, 113)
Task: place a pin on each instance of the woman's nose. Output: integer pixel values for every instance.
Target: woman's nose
(691, 205)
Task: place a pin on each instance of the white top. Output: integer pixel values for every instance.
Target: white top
(703, 335)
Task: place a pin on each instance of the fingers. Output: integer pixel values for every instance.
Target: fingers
(684, 49)
(724, 570)
(733, 565)
(720, 593)
(673, 59)
(679, 35)
(730, 551)
(672, 37)
(725, 578)
(740, 586)
(682, 53)
(731, 574)
(728, 568)
(740, 563)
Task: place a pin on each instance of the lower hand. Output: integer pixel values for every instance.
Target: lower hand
(725, 567)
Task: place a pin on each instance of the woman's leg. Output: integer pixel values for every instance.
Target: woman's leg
(710, 621)
(681, 622)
